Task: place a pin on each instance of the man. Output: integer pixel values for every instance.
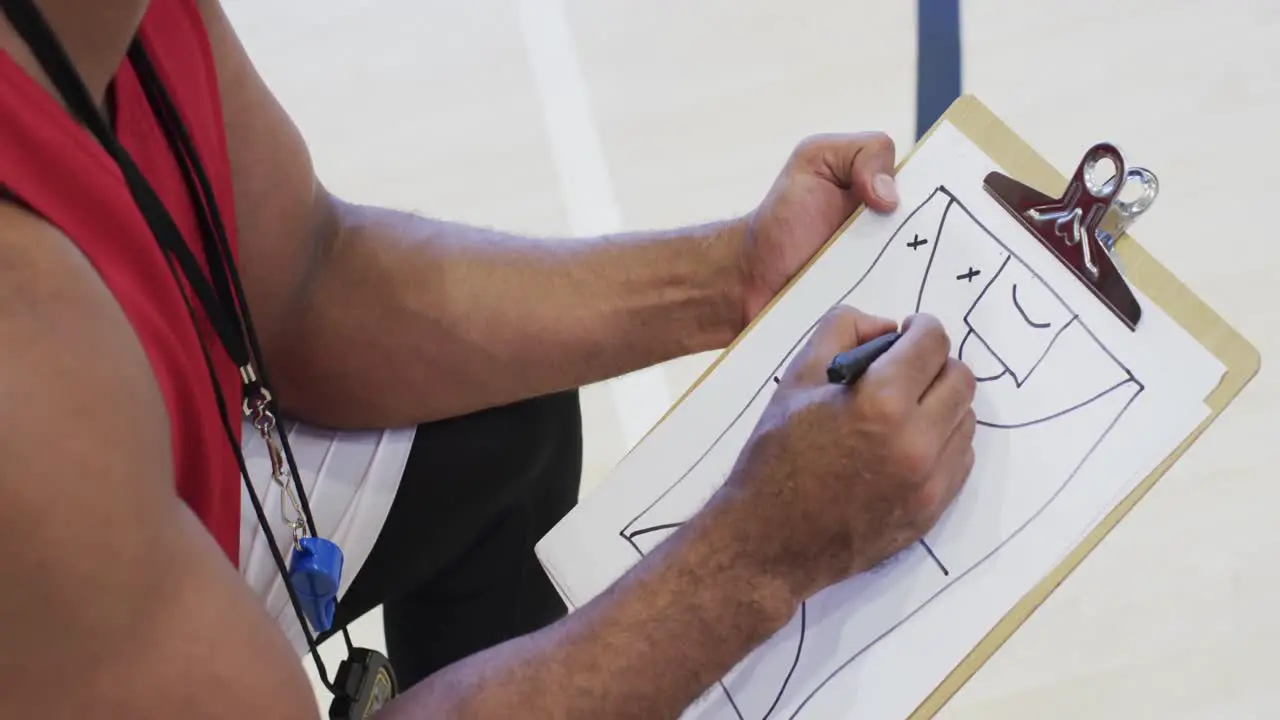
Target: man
(119, 497)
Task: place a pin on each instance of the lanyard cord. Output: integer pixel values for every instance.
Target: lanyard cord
(222, 267)
(221, 300)
(216, 247)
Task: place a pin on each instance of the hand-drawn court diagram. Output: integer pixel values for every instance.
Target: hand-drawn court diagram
(1048, 394)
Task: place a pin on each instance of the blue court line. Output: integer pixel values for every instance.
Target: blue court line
(937, 60)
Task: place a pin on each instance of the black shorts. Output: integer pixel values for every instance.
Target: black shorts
(453, 566)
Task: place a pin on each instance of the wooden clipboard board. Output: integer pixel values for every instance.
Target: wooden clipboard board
(1241, 359)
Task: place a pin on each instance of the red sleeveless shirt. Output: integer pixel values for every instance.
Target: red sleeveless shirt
(57, 168)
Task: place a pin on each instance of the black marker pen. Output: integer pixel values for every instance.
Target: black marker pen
(848, 366)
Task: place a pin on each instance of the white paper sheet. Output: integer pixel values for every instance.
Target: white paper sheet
(1074, 409)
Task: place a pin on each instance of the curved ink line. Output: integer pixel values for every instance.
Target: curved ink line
(1060, 413)
(960, 355)
(1038, 326)
(794, 664)
(1017, 531)
(655, 528)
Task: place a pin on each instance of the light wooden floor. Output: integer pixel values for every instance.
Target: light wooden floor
(580, 116)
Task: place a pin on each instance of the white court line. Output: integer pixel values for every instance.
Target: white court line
(640, 398)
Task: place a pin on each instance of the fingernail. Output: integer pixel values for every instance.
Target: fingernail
(885, 188)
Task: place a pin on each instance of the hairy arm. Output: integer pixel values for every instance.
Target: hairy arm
(645, 648)
(412, 319)
(376, 317)
(108, 579)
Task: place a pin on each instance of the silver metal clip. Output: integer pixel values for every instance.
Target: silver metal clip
(264, 421)
(1122, 214)
(1083, 225)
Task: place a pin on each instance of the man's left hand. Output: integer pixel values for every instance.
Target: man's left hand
(824, 181)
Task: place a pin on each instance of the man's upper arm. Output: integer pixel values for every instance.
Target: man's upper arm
(108, 584)
(285, 217)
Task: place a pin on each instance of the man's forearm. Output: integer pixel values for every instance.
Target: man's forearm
(646, 648)
(409, 319)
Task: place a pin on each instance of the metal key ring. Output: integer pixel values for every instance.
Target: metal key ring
(1130, 211)
(1110, 189)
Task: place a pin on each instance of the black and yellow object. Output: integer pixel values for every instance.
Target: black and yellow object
(365, 683)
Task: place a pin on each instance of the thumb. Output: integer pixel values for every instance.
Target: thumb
(859, 163)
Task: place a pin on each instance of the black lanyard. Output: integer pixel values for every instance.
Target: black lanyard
(219, 293)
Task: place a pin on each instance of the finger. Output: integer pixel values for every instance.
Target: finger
(950, 396)
(916, 359)
(956, 458)
(951, 472)
(841, 328)
(861, 163)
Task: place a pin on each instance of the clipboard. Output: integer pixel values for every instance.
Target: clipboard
(1133, 266)
(1086, 228)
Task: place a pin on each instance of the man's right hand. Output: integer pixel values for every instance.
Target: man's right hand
(837, 478)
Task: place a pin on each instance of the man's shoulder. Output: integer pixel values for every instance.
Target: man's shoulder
(35, 256)
(93, 539)
(50, 291)
(68, 345)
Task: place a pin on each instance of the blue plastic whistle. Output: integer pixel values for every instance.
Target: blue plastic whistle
(315, 570)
